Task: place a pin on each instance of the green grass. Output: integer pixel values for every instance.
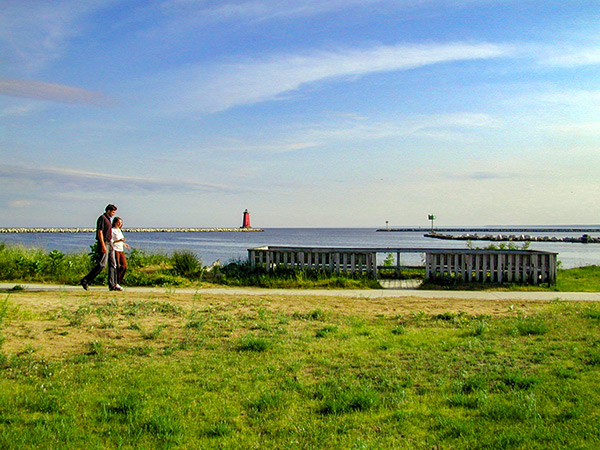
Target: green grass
(240, 374)
(585, 279)
(578, 279)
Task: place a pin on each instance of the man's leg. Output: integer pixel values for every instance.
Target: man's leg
(112, 268)
(101, 259)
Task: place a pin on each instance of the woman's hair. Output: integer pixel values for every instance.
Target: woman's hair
(115, 220)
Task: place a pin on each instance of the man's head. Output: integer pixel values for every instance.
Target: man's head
(110, 209)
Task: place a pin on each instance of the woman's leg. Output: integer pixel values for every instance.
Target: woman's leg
(122, 266)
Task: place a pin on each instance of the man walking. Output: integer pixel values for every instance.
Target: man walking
(105, 254)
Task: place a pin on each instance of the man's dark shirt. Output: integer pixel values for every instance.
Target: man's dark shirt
(103, 224)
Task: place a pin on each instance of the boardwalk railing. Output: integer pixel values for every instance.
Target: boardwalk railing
(519, 266)
(500, 266)
(353, 261)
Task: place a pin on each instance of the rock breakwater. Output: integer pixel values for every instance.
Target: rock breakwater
(132, 230)
(584, 239)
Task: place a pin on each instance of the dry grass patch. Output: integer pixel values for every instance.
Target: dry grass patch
(56, 324)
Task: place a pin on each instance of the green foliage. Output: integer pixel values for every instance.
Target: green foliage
(32, 264)
(240, 273)
(186, 263)
(141, 258)
(524, 245)
(182, 268)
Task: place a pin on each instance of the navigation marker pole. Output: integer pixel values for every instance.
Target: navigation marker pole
(432, 218)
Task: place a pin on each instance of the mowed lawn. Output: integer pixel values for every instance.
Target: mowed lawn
(169, 370)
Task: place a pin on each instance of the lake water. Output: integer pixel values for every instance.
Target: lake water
(222, 246)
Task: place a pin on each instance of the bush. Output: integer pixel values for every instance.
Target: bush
(186, 263)
(240, 273)
(32, 264)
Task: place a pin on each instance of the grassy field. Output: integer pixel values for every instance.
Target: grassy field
(174, 370)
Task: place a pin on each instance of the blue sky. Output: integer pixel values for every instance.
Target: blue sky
(323, 113)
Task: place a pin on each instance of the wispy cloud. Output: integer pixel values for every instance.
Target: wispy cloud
(33, 33)
(263, 10)
(572, 57)
(191, 13)
(53, 92)
(447, 127)
(231, 84)
(567, 97)
(21, 203)
(576, 130)
(68, 179)
(272, 9)
(481, 175)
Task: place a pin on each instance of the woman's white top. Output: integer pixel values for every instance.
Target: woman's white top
(117, 235)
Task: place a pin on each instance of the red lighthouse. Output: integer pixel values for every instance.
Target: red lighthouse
(246, 220)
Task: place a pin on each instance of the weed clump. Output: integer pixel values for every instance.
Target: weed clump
(253, 344)
(531, 326)
(349, 400)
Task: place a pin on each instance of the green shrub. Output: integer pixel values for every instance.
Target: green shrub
(240, 273)
(141, 258)
(186, 263)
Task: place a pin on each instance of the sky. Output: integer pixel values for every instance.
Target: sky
(314, 113)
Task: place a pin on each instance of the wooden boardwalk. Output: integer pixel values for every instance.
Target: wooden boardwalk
(467, 265)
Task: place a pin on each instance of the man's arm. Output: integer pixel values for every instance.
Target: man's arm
(101, 241)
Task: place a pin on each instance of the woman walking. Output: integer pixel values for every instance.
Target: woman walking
(119, 245)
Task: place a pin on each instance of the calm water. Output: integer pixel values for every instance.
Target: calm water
(227, 246)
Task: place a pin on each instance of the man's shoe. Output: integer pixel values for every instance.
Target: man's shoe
(84, 284)
(116, 288)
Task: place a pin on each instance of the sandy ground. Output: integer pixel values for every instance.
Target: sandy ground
(42, 322)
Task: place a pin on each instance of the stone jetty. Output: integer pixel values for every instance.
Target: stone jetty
(542, 229)
(132, 230)
(584, 239)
